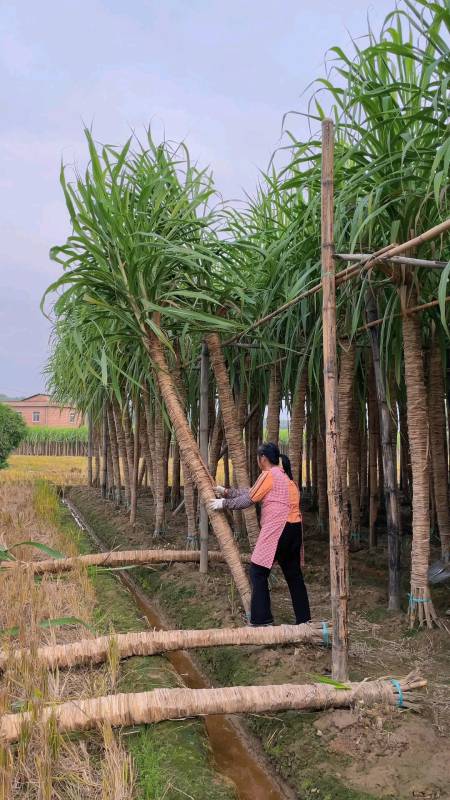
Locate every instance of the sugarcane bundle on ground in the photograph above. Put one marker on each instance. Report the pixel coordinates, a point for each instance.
(115, 558)
(147, 643)
(162, 704)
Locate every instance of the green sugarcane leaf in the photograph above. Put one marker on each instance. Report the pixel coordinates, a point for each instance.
(442, 293)
(50, 623)
(49, 551)
(5, 555)
(328, 681)
(57, 622)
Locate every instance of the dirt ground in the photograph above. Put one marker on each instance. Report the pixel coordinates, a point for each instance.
(348, 755)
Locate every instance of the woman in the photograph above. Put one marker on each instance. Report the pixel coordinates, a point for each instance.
(280, 537)
(294, 496)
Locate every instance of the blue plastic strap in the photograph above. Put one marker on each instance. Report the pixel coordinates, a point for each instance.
(417, 600)
(325, 634)
(396, 685)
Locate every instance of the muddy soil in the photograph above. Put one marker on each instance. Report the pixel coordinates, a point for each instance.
(342, 755)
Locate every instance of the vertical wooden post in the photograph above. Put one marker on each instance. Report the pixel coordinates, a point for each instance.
(204, 441)
(136, 455)
(89, 449)
(337, 516)
(104, 467)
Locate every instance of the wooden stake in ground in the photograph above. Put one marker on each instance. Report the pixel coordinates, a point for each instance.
(160, 704)
(204, 441)
(337, 517)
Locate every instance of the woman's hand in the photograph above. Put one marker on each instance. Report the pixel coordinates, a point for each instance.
(220, 491)
(215, 505)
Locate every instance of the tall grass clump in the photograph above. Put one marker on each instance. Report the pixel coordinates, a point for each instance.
(45, 502)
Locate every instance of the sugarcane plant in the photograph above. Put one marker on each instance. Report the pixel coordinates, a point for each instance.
(157, 268)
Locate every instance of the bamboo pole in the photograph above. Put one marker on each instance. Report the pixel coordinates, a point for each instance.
(406, 261)
(384, 254)
(115, 558)
(204, 442)
(406, 312)
(337, 518)
(161, 704)
(149, 643)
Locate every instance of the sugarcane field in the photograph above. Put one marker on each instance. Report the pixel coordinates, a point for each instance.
(225, 401)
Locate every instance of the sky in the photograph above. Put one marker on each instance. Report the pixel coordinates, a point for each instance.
(218, 74)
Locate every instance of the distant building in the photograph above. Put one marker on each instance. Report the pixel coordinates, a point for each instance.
(38, 410)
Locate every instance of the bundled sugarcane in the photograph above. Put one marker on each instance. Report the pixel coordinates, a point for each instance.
(115, 558)
(161, 704)
(147, 643)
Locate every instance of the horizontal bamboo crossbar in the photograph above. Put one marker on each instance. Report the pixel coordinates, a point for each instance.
(162, 704)
(384, 254)
(406, 261)
(407, 311)
(148, 643)
(115, 558)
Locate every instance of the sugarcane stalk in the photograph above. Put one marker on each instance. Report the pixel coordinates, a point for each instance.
(139, 708)
(115, 558)
(148, 643)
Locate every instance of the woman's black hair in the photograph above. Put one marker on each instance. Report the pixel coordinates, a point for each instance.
(286, 463)
(270, 451)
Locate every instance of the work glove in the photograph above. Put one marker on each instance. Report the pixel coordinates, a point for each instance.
(215, 505)
(220, 491)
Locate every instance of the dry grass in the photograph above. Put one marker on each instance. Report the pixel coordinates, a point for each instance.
(46, 766)
(61, 470)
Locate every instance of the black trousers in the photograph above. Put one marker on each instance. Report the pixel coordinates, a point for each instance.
(288, 557)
